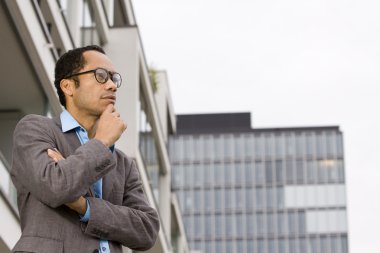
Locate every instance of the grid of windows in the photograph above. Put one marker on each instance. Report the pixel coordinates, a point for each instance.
(261, 192)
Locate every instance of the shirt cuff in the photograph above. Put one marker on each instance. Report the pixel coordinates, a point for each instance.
(86, 216)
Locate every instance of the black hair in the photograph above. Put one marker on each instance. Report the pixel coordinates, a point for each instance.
(70, 63)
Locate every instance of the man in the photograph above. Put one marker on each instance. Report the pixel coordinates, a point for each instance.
(76, 192)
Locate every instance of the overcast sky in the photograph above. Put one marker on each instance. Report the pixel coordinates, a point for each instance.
(289, 63)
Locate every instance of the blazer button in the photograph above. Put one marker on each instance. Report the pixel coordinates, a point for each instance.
(95, 251)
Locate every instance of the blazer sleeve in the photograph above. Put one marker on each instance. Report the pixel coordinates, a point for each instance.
(135, 224)
(55, 183)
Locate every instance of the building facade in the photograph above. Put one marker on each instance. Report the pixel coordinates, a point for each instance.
(34, 33)
(271, 190)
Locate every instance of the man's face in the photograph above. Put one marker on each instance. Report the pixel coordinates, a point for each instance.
(92, 97)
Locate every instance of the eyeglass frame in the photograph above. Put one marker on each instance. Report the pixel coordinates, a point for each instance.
(109, 75)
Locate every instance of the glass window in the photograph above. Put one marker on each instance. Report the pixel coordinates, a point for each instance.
(269, 151)
(248, 173)
(270, 224)
(259, 198)
(240, 246)
(249, 146)
(228, 198)
(309, 144)
(313, 245)
(250, 225)
(189, 148)
(198, 200)
(344, 245)
(251, 246)
(301, 223)
(209, 148)
(340, 168)
(198, 174)
(188, 201)
(259, 152)
(330, 145)
(260, 224)
(281, 223)
(207, 174)
(219, 246)
(271, 246)
(279, 172)
(219, 225)
(218, 199)
(279, 145)
(339, 141)
(259, 173)
(218, 174)
(230, 246)
(293, 246)
(299, 145)
(189, 175)
(280, 197)
(218, 147)
(270, 198)
(228, 147)
(239, 225)
(261, 245)
(239, 169)
(230, 225)
(208, 193)
(239, 199)
(269, 176)
(209, 226)
(289, 171)
(249, 199)
(282, 246)
(198, 143)
(290, 145)
(208, 246)
(188, 222)
(312, 171)
(228, 173)
(320, 146)
(239, 147)
(300, 171)
(292, 223)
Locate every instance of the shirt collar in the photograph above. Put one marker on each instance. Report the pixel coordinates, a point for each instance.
(68, 122)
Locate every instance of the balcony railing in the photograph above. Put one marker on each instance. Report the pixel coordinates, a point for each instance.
(7, 189)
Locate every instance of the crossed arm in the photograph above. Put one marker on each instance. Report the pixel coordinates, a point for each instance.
(55, 181)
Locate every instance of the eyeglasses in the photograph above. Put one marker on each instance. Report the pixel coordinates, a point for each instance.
(102, 76)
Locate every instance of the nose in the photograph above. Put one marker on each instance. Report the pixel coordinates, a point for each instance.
(110, 85)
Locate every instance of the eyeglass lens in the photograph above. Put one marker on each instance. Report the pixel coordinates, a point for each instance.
(102, 77)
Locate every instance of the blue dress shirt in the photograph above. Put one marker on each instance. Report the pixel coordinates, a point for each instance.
(69, 123)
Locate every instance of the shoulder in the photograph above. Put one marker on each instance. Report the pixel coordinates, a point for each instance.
(34, 123)
(34, 118)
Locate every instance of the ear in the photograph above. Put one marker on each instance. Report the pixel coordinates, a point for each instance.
(67, 86)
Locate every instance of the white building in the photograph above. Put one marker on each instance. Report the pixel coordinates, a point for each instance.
(34, 33)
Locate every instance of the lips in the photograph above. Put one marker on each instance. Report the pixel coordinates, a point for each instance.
(111, 97)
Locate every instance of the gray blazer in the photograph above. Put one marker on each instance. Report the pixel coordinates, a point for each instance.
(123, 216)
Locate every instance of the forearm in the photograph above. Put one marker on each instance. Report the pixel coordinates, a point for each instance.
(57, 183)
(134, 228)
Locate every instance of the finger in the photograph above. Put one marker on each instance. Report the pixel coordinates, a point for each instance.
(59, 155)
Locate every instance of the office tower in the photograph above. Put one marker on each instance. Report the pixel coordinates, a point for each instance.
(267, 190)
(33, 36)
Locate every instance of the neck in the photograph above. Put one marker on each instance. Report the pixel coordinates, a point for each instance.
(86, 120)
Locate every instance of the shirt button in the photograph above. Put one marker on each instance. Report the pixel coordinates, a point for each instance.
(104, 248)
